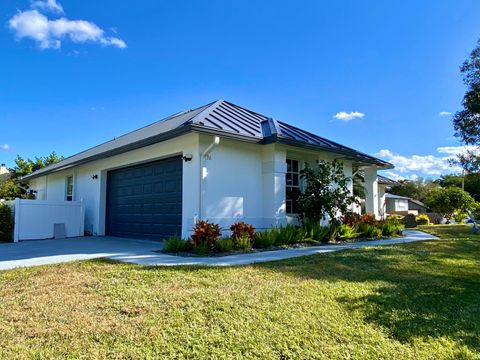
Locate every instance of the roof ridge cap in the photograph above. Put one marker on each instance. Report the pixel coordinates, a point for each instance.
(196, 119)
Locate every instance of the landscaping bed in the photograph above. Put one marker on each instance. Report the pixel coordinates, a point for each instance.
(207, 238)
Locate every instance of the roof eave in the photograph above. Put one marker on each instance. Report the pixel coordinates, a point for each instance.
(133, 146)
(201, 129)
(382, 165)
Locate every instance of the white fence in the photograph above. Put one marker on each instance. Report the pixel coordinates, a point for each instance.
(35, 219)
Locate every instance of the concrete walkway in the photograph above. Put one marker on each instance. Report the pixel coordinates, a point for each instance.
(43, 252)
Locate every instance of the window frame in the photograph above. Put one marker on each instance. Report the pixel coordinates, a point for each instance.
(69, 188)
(295, 183)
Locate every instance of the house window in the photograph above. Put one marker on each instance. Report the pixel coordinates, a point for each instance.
(292, 182)
(69, 188)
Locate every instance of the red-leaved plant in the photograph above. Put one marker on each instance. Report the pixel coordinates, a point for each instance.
(206, 234)
(350, 219)
(240, 228)
(368, 219)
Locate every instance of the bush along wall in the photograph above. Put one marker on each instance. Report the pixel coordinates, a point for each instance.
(6, 223)
(206, 238)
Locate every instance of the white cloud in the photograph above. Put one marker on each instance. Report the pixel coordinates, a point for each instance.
(344, 116)
(425, 165)
(49, 34)
(5, 147)
(444, 113)
(394, 176)
(456, 150)
(47, 5)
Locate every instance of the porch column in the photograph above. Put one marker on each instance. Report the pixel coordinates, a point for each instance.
(371, 185)
(381, 201)
(274, 168)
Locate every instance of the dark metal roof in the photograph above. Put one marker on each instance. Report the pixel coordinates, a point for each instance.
(380, 179)
(386, 181)
(222, 118)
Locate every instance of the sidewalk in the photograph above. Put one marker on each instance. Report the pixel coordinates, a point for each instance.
(145, 252)
(159, 259)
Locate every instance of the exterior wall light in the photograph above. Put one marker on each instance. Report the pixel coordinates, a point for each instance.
(187, 157)
(94, 176)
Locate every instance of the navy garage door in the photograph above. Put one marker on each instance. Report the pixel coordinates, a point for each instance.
(145, 200)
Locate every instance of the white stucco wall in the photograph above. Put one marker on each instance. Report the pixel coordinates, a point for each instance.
(93, 191)
(236, 181)
(232, 183)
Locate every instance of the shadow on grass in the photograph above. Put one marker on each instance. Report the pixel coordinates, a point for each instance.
(424, 289)
(427, 289)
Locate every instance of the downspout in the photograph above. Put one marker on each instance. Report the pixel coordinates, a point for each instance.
(204, 156)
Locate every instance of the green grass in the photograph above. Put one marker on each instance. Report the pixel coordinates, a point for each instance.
(414, 301)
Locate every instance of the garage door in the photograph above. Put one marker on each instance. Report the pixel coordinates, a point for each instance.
(145, 200)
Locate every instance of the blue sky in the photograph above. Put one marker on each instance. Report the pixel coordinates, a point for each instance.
(387, 69)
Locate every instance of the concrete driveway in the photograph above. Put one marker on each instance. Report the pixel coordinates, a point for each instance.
(145, 252)
(43, 252)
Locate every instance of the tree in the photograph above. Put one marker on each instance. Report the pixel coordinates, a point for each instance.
(11, 187)
(415, 189)
(447, 201)
(326, 192)
(24, 167)
(471, 183)
(466, 122)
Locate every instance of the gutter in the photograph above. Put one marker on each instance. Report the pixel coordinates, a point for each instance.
(132, 146)
(353, 155)
(204, 156)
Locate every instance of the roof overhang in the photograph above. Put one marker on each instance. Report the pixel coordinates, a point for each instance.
(133, 146)
(358, 158)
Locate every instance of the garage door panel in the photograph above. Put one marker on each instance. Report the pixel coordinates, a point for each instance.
(145, 200)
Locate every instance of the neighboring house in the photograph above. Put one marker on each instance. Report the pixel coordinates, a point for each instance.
(396, 204)
(219, 162)
(384, 184)
(4, 173)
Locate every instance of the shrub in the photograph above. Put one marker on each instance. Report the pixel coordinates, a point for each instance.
(394, 219)
(202, 249)
(242, 242)
(369, 231)
(312, 230)
(449, 200)
(368, 219)
(331, 234)
(318, 198)
(265, 239)
(225, 245)
(347, 232)
(6, 223)
(286, 235)
(391, 229)
(205, 234)
(459, 217)
(410, 221)
(351, 219)
(240, 228)
(422, 219)
(175, 244)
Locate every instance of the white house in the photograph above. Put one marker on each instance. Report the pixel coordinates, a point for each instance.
(384, 184)
(219, 162)
(396, 204)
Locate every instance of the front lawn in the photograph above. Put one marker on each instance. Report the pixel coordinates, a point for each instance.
(418, 300)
